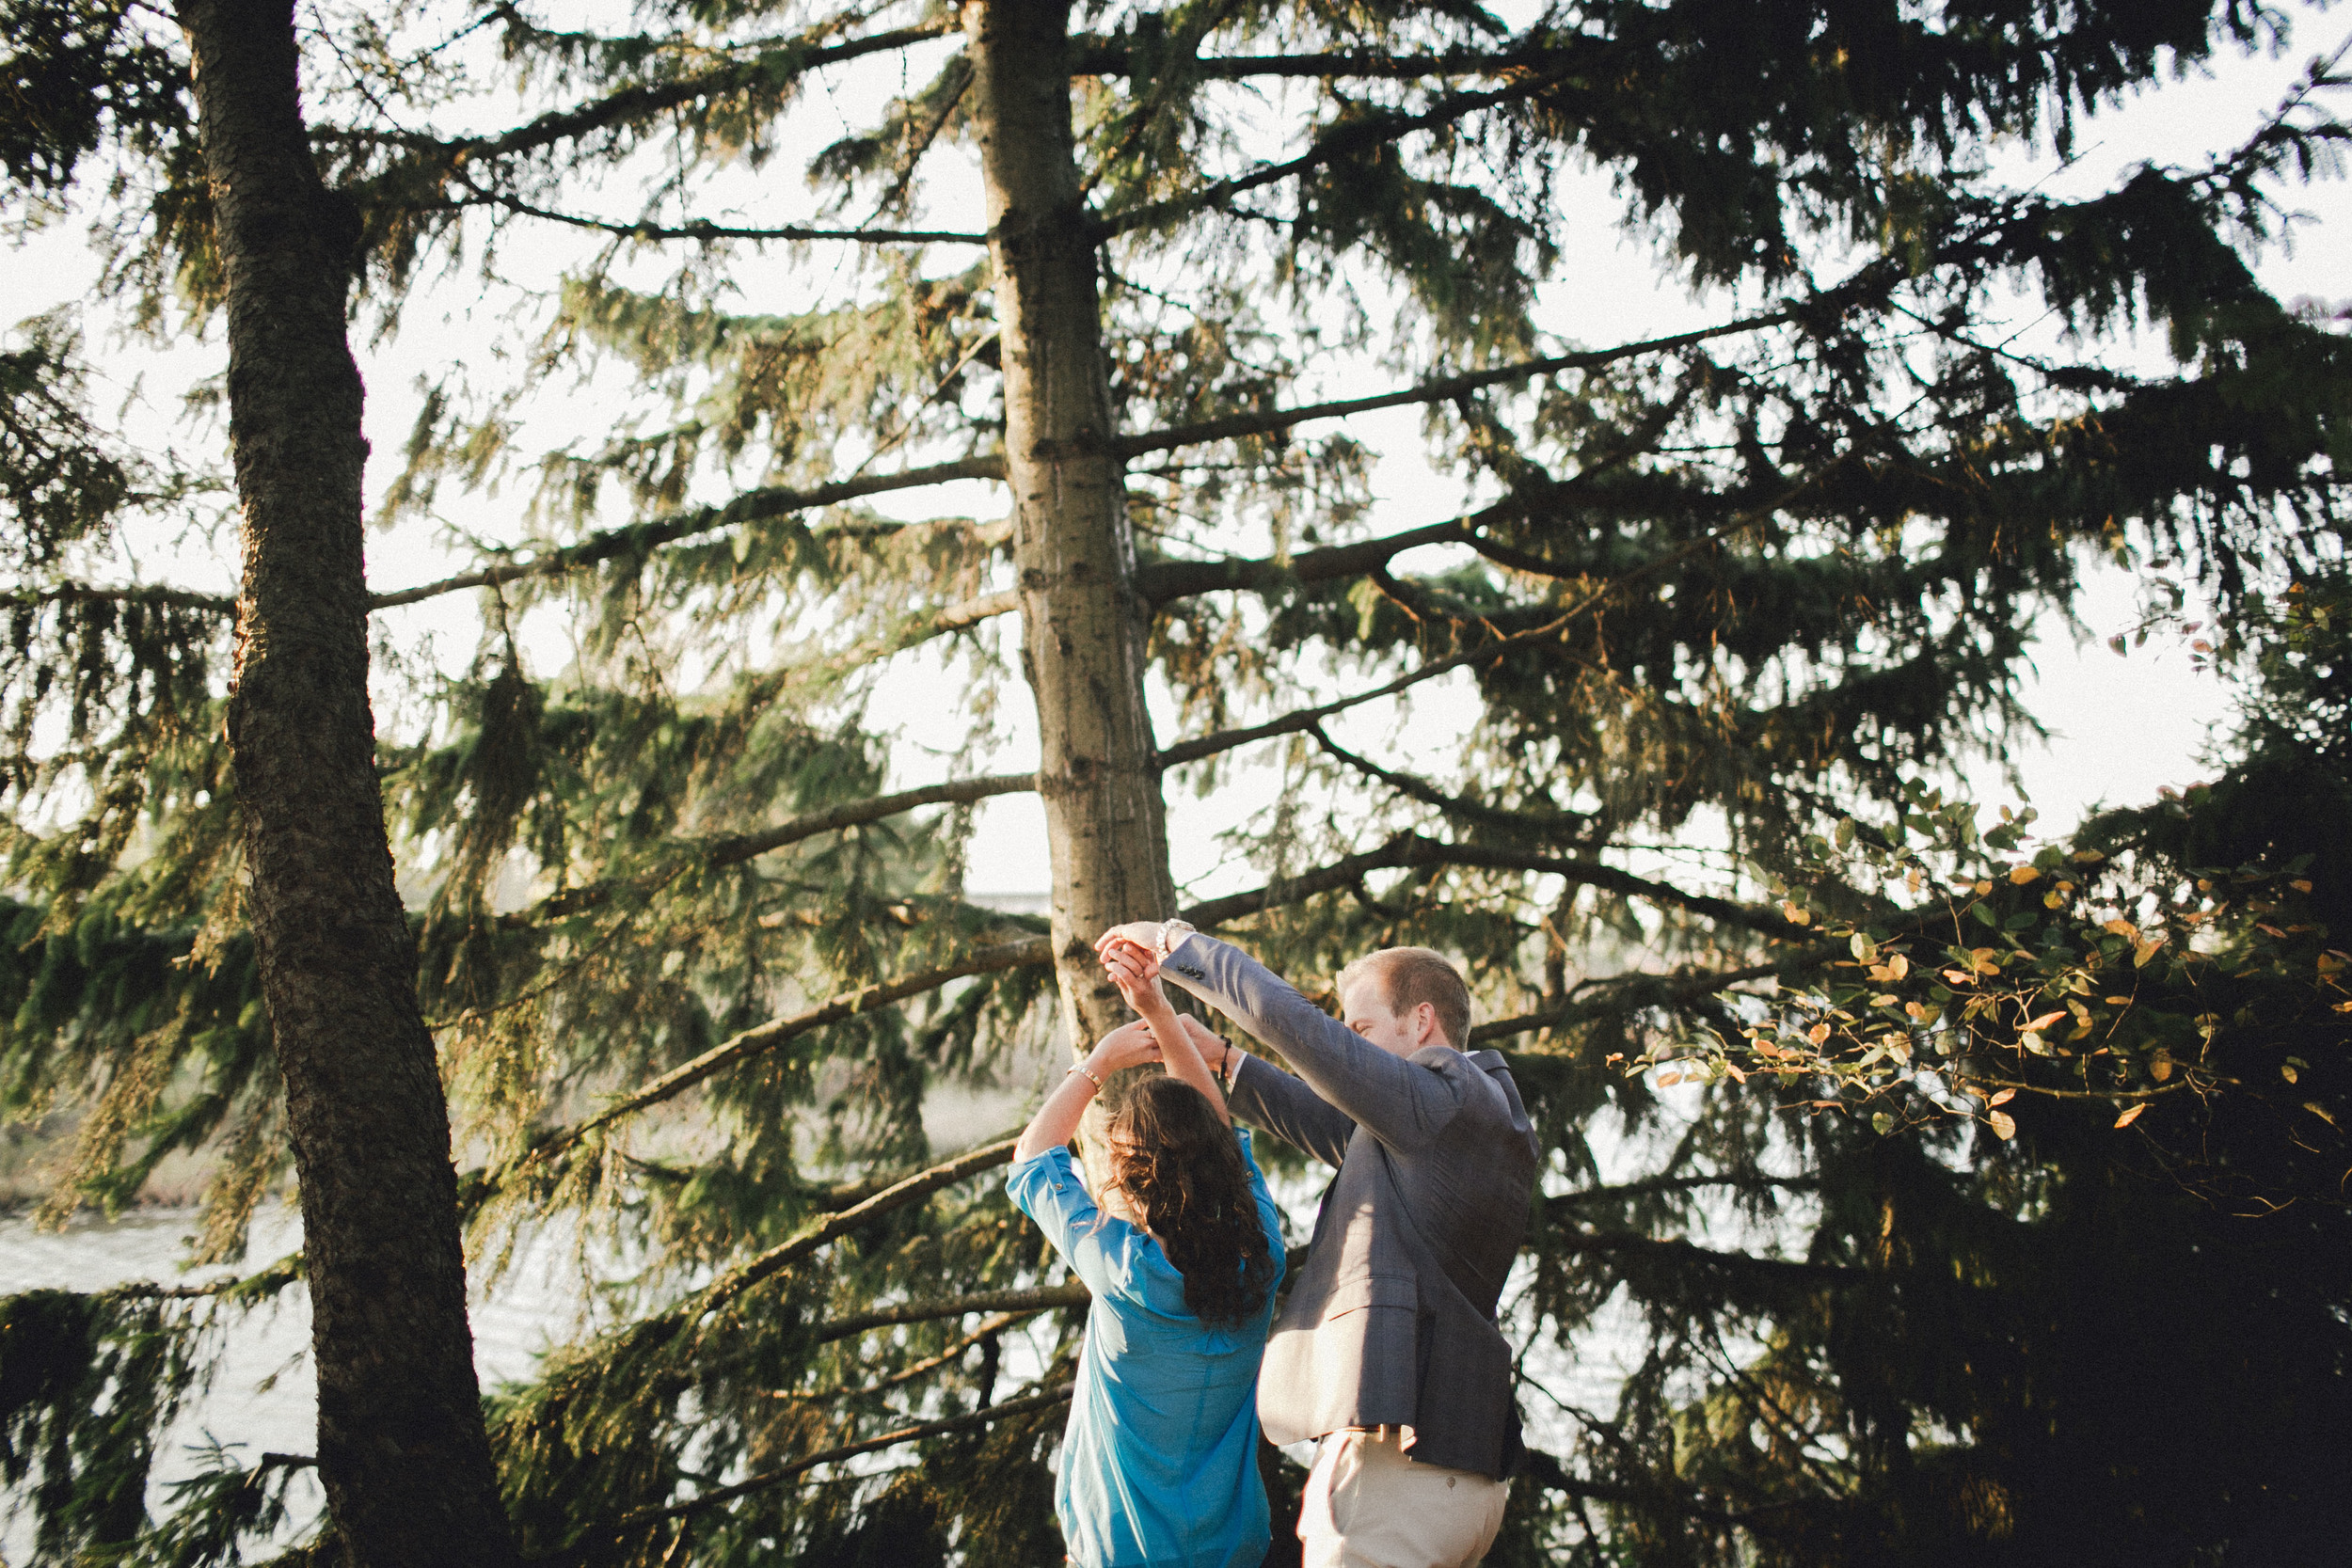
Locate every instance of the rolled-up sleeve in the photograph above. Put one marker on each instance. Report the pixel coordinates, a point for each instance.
(1100, 1250)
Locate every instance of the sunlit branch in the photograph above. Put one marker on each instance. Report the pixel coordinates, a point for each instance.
(753, 506)
(1445, 387)
(1690, 1255)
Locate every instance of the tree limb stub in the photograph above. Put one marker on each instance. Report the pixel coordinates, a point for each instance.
(1632, 992)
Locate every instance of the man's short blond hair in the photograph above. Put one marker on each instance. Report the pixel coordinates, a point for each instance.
(1409, 976)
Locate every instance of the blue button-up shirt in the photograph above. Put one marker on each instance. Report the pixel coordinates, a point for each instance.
(1159, 1466)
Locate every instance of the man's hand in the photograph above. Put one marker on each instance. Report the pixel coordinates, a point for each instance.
(1142, 935)
(1129, 1045)
(1211, 1044)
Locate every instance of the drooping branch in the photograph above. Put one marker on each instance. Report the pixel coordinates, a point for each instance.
(766, 1036)
(769, 69)
(133, 592)
(753, 506)
(1417, 789)
(744, 846)
(1232, 426)
(1355, 135)
(1300, 719)
(1101, 57)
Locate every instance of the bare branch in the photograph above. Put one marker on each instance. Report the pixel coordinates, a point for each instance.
(1628, 993)
(704, 232)
(1439, 390)
(744, 846)
(1412, 849)
(753, 506)
(1100, 56)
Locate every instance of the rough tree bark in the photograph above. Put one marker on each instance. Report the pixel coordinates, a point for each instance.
(1083, 622)
(401, 1446)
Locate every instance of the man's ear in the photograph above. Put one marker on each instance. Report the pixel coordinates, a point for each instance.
(1425, 1031)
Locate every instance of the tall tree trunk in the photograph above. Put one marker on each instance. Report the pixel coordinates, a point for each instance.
(401, 1446)
(1083, 625)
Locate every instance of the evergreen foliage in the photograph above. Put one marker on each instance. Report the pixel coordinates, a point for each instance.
(1756, 591)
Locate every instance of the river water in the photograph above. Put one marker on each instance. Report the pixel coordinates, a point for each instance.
(263, 1393)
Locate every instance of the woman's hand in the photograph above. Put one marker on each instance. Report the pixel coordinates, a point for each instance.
(1129, 1045)
(1138, 979)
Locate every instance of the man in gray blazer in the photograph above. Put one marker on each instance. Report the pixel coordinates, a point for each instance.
(1388, 1352)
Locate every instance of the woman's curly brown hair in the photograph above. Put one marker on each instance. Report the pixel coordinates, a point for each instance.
(1181, 1169)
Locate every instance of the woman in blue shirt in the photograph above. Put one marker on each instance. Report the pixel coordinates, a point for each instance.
(1159, 1466)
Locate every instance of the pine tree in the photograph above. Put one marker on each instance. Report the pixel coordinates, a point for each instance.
(1735, 586)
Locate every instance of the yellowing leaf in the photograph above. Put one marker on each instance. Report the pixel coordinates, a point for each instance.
(2046, 1019)
(2286, 1071)
(1668, 1080)
(2301, 885)
(2003, 1097)
(2021, 875)
(1794, 915)
(2121, 928)
(1959, 978)
(2130, 1115)
(2004, 1125)
(2145, 951)
(1818, 1033)
(1983, 888)
(2160, 1065)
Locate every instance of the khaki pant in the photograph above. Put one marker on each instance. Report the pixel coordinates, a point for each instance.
(1368, 1506)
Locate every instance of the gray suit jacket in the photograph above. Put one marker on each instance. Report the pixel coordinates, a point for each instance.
(1391, 1320)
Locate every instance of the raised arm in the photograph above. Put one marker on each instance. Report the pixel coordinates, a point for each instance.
(1400, 1103)
(1178, 1051)
(1057, 1120)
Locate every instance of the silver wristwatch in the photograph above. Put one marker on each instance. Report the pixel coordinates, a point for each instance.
(1172, 932)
